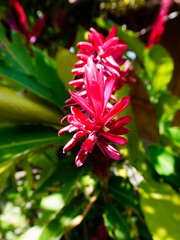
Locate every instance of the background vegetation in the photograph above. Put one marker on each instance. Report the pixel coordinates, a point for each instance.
(43, 194)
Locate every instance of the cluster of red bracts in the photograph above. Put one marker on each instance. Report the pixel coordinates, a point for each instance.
(17, 20)
(97, 75)
(158, 26)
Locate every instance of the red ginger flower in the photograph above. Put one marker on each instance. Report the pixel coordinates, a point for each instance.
(97, 123)
(17, 20)
(107, 52)
(158, 27)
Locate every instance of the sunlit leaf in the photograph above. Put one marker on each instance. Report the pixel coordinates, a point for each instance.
(65, 61)
(28, 83)
(166, 108)
(165, 163)
(159, 66)
(80, 36)
(68, 218)
(5, 171)
(32, 233)
(174, 134)
(63, 182)
(160, 205)
(18, 107)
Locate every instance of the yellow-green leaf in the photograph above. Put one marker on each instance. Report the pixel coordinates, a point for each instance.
(18, 107)
(160, 204)
(65, 63)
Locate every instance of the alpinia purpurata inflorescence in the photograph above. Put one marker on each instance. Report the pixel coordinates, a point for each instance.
(17, 20)
(106, 52)
(158, 26)
(92, 115)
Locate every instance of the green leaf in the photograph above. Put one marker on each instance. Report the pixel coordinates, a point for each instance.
(162, 160)
(122, 191)
(6, 57)
(17, 51)
(59, 191)
(122, 197)
(68, 218)
(42, 159)
(174, 134)
(65, 63)
(165, 164)
(115, 223)
(15, 140)
(159, 66)
(33, 73)
(66, 177)
(166, 108)
(134, 149)
(32, 233)
(160, 205)
(142, 75)
(45, 73)
(29, 83)
(80, 36)
(5, 170)
(18, 107)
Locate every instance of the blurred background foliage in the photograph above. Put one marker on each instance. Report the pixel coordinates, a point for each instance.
(43, 194)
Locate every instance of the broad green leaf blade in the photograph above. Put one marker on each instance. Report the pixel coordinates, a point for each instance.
(159, 66)
(166, 109)
(160, 205)
(174, 134)
(115, 223)
(20, 139)
(17, 51)
(7, 82)
(32, 233)
(18, 107)
(6, 57)
(67, 177)
(32, 72)
(163, 161)
(81, 35)
(5, 170)
(66, 183)
(165, 164)
(65, 63)
(46, 160)
(29, 83)
(45, 73)
(68, 218)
